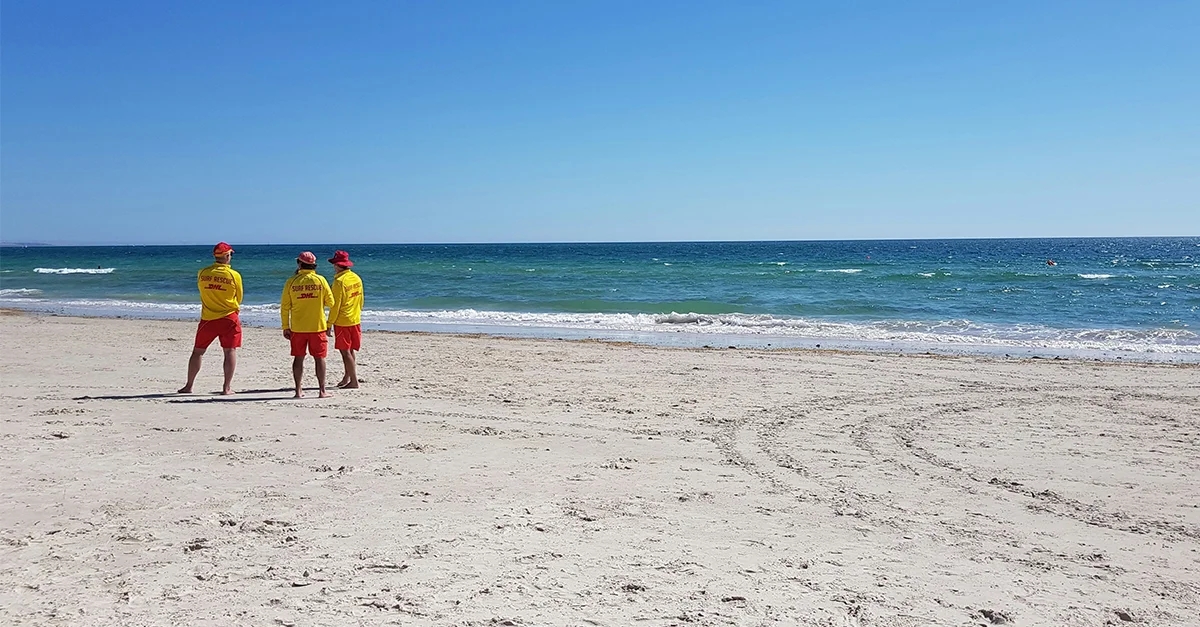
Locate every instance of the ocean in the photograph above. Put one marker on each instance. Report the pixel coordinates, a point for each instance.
(1130, 298)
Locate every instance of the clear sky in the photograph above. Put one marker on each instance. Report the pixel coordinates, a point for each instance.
(497, 121)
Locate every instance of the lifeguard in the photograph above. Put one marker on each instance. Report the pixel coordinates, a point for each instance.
(302, 310)
(220, 300)
(345, 317)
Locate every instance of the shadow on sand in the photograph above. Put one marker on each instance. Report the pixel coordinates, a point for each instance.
(182, 398)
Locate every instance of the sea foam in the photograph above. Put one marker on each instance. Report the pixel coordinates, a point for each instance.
(74, 270)
(959, 335)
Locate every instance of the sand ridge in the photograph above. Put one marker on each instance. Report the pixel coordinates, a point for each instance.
(488, 481)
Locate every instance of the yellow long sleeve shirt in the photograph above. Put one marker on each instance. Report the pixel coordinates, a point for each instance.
(302, 305)
(347, 300)
(220, 291)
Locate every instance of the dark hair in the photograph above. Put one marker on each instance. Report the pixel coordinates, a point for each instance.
(308, 266)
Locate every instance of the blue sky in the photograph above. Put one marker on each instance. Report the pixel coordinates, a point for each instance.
(189, 122)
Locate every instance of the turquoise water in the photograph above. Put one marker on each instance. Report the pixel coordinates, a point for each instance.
(1129, 294)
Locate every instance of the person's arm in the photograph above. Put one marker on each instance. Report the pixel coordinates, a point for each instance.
(339, 295)
(285, 309)
(237, 284)
(327, 301)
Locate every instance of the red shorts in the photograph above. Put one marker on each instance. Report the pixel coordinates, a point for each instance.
(229, 329)
(347, 338)
(315, 343)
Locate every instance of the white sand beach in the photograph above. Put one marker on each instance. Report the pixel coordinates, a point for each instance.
(488, 481)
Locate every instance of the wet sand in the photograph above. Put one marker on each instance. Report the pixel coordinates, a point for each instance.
(489, 481)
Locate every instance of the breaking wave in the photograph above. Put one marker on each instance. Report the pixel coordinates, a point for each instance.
(963, 333)
(74, 270)
(1180, 342)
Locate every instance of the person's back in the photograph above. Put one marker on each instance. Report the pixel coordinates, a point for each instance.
(347, 298)
(220, 291)
(302, 305)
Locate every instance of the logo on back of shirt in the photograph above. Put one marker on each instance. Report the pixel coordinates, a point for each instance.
(215, 282)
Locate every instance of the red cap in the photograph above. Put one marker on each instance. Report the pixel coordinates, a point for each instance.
(307, 257)
(222, 248)
(341, 258)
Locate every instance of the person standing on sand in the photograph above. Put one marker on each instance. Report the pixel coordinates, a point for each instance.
(220, 300)
(306, 294)
(345, 316)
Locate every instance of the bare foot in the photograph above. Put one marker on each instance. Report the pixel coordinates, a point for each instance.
(298, 394)
(350, 386)
(227, 392)
(342, 383)
(187, 389)
(324, 394)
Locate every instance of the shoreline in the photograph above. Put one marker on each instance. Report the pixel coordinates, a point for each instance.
(675, 337)
(783, 350)
(479, 480)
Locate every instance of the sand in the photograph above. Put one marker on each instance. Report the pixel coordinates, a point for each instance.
(489, 481)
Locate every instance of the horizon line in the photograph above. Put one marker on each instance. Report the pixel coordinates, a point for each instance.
(593, 242)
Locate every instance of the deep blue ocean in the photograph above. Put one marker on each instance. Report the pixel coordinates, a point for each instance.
(1102, 296)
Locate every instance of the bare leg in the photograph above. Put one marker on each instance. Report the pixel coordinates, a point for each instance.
(345, 368)
(193, 370)
(298, 374)
(350, 362)
(352, 371)
(230, 365)
(321, 376)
